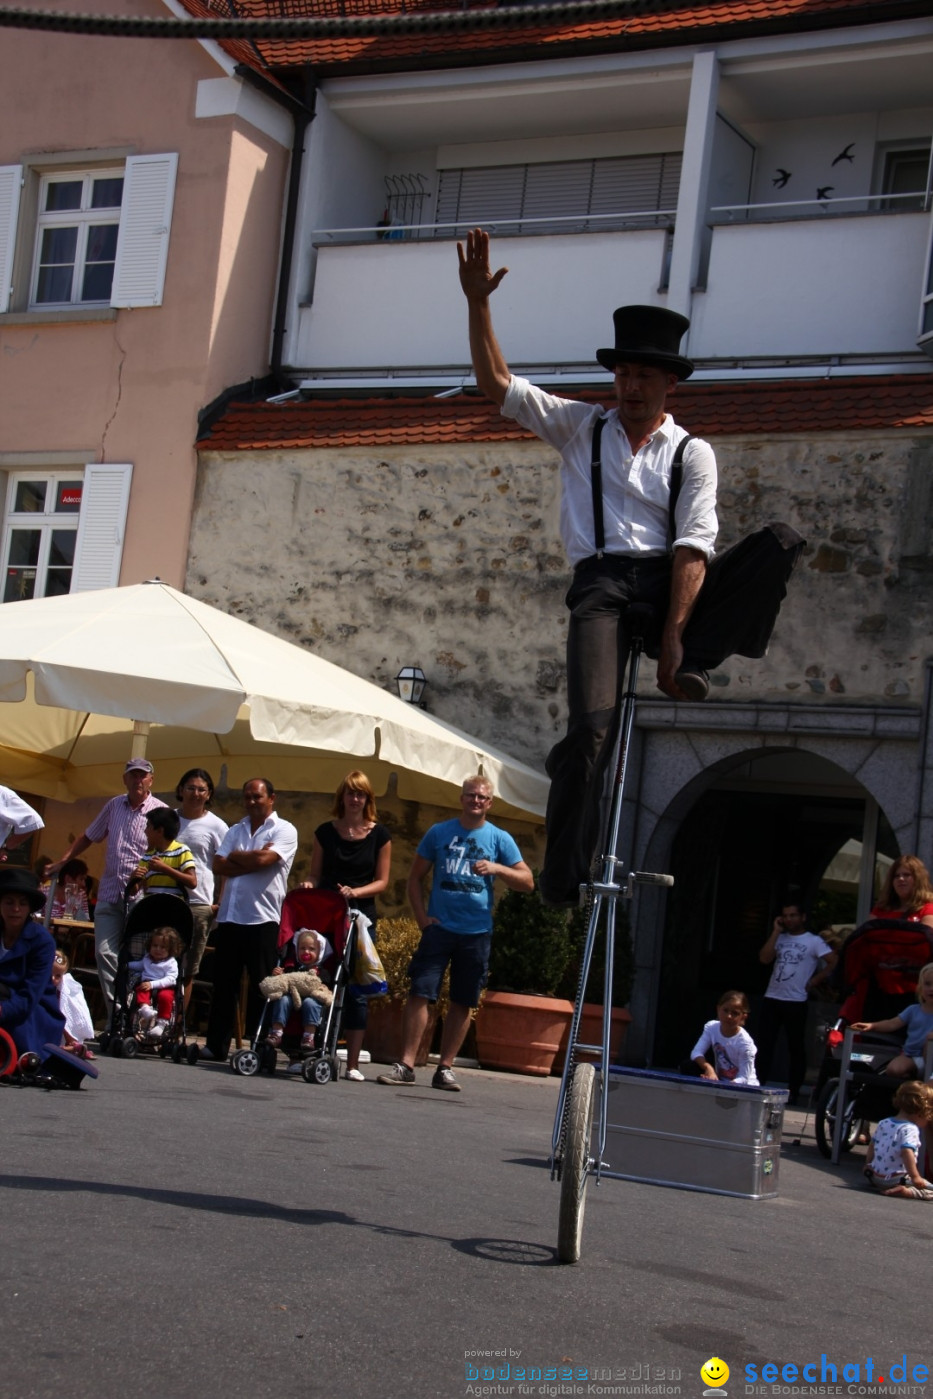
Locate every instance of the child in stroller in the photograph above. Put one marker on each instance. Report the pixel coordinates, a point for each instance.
(305, 992)
(165, 921)
(917, 1020)
(155, 973)
(878, 969)
(327, 912)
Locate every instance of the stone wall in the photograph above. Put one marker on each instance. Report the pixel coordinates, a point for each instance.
(450, 557)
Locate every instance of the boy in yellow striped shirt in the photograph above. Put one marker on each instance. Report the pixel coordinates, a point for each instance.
(168, 866)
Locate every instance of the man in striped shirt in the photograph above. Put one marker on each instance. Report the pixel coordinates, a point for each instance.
(122, 823)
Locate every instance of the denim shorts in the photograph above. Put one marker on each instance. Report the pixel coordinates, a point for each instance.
(468, 957)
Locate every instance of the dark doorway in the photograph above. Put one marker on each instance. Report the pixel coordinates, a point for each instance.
(735, 857)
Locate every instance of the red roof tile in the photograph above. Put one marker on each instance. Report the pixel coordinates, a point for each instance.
(432, 31)
(802, 407)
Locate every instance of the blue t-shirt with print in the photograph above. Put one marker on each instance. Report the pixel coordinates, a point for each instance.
(461, 900)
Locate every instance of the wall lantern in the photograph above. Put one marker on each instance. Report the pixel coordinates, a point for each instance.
(411, 682)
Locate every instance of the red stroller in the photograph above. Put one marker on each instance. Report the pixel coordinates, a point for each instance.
(327, 912)
(877, 974)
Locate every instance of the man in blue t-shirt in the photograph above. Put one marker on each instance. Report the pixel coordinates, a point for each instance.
(466, 854)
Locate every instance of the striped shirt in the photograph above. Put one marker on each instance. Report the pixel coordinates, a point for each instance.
(124, 830)
(177, 857)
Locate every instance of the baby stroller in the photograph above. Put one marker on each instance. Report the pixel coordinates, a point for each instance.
(327, 912)
(877, 976)
(124, 1036)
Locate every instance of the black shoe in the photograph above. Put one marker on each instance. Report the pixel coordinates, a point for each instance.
(693, 682)
(445, 1079)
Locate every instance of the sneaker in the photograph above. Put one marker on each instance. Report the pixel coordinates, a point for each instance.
(401, 1075)
(158, 1030)
(693, 682)
(294, 1068)
(307, 1039)
(205, 1054)
(146, 1013)
(274, 1037)
(444, 1078)
(354, 1076)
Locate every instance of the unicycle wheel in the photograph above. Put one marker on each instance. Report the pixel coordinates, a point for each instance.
(575, 1163)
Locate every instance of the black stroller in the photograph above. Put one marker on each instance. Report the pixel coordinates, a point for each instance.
(327, 912)
(877, 975)
(125, 1036)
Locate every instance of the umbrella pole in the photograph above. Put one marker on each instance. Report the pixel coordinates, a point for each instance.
(140, 739)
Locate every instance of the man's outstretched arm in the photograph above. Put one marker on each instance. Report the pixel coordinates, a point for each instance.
(478, 283)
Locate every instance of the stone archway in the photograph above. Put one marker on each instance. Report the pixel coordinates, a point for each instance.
(847, 773)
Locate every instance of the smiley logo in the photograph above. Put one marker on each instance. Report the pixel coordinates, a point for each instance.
(715, 1372)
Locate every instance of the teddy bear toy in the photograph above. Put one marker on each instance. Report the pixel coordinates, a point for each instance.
(297, 985)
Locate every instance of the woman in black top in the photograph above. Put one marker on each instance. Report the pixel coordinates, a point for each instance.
(353, 853)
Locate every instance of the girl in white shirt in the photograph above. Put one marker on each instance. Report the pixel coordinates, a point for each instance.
(729, 1045)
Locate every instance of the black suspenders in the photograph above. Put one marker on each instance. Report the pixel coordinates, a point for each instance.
(596, 479)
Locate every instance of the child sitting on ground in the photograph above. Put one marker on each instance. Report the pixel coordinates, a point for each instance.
(78, 1023)
(893, 1154)
(919, 1022)
(731, 1046)
(156, 972)
(300, 960)
(168, 866)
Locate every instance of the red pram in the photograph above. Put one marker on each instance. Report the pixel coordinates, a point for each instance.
(327, 912)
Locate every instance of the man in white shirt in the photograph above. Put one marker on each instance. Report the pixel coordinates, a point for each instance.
(801, 961)
(18, 821)
(254, 858)
(631, 536)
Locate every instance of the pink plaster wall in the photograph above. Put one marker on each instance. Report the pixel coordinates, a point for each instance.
(129, 389)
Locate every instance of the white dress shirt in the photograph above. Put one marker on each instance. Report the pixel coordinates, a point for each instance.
(256, 897)
(636, 486)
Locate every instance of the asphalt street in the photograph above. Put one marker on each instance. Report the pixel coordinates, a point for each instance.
(182, 1231)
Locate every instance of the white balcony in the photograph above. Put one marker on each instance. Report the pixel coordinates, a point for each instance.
(826, 287)
(812, 287)
(398, 306)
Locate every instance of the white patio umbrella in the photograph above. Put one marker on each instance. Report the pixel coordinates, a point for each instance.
(90, 677)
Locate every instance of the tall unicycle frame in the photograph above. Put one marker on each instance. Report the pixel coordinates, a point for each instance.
(583, 1098)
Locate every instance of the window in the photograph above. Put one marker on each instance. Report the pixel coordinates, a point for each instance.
(41, 530)
(83, 237)
(618, 187)
(63, 530)
(76, 243)
(905, 173)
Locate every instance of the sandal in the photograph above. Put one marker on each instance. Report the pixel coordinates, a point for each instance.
(274, 1037)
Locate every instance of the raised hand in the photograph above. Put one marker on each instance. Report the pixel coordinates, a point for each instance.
(477, 281)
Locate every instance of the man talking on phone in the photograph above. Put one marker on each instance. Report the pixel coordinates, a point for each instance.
(801, 961)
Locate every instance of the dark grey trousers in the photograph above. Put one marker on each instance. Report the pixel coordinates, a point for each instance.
(734, 615)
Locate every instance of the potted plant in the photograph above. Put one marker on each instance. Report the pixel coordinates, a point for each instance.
(396, 940)
(521, 1019)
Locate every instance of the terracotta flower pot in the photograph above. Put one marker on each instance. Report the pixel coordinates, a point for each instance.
(521, 1033)
(591, 1031)
(383, 1036)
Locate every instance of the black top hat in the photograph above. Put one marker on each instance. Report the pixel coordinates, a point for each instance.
(648, 335)
(18, 881)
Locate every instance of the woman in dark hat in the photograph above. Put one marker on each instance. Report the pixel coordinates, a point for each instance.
(29, 1009)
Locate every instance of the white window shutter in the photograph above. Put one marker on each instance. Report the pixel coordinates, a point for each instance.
(11, 180)
(145, 222)
(101, 527)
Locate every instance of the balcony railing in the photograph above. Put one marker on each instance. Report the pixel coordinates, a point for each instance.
(913, 202)
(503, 228)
